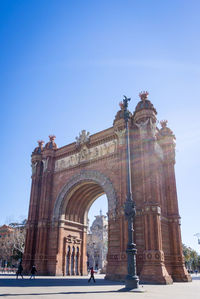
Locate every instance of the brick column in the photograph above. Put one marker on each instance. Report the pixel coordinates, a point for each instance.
(79, 262)
(83, 256)
(166, 139)
(153, 269)
(44, 210)
(116, 268)
(69, 265)
(32, 223)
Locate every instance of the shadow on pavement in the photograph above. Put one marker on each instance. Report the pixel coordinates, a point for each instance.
(59, 293)
(45, 282)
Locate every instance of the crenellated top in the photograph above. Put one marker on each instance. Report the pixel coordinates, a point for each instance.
(39, 148)
(165, 131)
(51, 144)
(143, 124)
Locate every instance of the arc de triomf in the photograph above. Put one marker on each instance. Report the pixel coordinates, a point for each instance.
(67, 180)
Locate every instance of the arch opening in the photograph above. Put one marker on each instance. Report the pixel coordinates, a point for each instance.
(97, 235)
(85, 245)
(71, 210)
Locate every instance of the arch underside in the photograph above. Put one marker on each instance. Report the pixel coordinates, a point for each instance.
(80, 192)
(81, 200)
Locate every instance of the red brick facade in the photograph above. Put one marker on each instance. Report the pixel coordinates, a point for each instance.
(67, 180)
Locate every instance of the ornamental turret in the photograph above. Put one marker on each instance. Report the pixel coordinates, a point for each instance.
(36, 157)
(144, 118)
(119, 124)
(144, 109)
(166, 139)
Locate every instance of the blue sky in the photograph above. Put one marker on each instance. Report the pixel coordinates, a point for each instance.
(64, 67)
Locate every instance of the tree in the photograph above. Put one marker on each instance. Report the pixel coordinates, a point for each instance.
(12, 243)
(17, 239)
(18, 243)
(6, 251)
(192, 259)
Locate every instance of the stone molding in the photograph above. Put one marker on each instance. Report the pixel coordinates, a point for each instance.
(151, 209)
(153, 255)
(73, 240)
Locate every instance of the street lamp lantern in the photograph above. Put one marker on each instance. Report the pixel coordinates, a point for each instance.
(132, 280)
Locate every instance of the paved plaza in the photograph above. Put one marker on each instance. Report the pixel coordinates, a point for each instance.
(57, 287)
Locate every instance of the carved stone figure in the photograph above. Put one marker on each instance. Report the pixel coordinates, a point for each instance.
(105, 149)
(96, 152)
(76, 158)
(143, 128)
(112, 147)
(83, 138)
(121, 136)
(71, 161)
(45, 164)
(153, 128)
(34, 165)
(83, 155)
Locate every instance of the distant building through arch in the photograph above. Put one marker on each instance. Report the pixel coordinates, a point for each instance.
(97, 243)
(67, 180)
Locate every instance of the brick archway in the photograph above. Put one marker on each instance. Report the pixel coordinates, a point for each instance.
(66, 180)
(70, 212)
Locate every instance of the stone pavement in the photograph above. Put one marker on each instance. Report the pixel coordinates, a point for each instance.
(78, 288)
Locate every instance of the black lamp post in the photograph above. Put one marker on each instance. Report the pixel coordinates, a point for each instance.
(132, 280)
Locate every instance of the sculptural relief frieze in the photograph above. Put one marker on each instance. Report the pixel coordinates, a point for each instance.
(86, 154)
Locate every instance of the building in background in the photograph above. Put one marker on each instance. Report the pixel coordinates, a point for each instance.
(5, 248)
(97, 243)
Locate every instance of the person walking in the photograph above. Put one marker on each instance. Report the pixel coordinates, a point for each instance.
(91, 275)
(19, 271)
(33, 272)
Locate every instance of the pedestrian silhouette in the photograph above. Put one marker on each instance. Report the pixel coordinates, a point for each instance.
(33, 272)
(91, 275)
(19, 271)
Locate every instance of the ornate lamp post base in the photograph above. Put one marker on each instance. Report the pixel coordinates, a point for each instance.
(136, 290)
(132, 282)
(132, 285)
